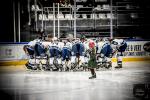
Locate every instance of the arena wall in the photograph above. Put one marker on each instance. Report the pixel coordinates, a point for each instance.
(13, 54)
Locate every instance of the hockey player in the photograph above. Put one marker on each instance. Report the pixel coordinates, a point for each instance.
(55, 53)
(54, 48)
(119, 46)
(30, 51)
(77, 53)
(66, 50)
(29, 48)
(84, 59)
(66, 55)
(104, 52)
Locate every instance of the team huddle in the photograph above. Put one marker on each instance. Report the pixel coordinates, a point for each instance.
(73, 54)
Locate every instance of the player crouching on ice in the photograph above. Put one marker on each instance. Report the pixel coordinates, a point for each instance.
(30, 51)
(36, 48)
(119, 46)
(104, 53)
(55, 54)
(66, 55)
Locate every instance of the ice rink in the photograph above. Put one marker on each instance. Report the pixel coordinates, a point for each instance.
(113, 84)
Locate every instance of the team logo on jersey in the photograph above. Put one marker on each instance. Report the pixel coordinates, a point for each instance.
(146, 47)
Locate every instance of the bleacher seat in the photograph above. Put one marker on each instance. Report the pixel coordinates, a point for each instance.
(60, 16)
(102, 16)
(50, 16)
(109, 16)
(106, 7)
(79, 6)
(68, 16)
(84, 16)
(98, 8)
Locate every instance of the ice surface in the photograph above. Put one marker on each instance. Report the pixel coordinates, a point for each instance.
(115, 84)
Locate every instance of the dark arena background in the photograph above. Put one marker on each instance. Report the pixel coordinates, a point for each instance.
(52, 78)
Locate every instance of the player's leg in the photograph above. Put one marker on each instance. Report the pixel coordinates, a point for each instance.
(109, 56)
(31, 62)
(120, 55)
(119, 60)
(109, 63)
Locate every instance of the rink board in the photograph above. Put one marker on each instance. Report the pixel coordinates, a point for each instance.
(125, 59)
(13, 54)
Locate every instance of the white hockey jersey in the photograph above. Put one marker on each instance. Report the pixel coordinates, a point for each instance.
(118, 42)
(32, 43)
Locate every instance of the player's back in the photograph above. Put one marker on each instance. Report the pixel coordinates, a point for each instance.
(119, 42)
(33, 42)
(100, 46)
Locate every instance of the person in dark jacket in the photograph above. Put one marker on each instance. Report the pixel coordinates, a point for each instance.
(92, 62)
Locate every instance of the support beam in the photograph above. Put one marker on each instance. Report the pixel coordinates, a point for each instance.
(58, 23)
(29, 23)
(42, 21)
(54, 20)
(75, 33)
(111, 20)
(14, 19)
(18, 21)
(35, 13)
